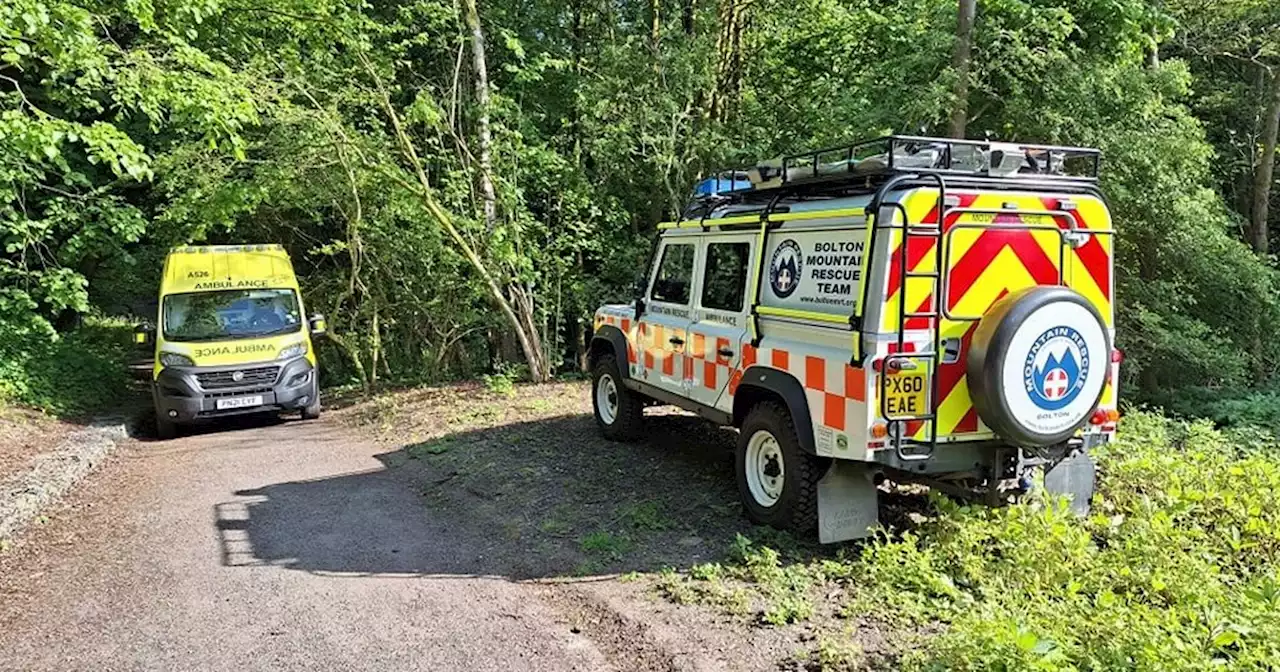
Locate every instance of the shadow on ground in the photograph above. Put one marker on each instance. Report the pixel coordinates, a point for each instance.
(534, 499)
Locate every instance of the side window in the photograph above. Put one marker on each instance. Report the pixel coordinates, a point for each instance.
(675, 274)
(724, 283)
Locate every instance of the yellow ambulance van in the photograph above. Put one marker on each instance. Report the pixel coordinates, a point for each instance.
(231, 337)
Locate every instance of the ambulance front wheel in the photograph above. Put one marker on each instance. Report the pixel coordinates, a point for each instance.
(312, 410)
(778, 482)
(166, 429)
(619, 412)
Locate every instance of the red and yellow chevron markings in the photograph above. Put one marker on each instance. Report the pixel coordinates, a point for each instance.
(985, 263)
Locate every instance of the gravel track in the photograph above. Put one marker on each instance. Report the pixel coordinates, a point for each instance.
(327, 545)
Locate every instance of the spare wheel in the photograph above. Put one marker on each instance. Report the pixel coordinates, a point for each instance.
(1037, 365)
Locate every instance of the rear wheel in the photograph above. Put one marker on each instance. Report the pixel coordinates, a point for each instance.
(777, 480)
(619, 411)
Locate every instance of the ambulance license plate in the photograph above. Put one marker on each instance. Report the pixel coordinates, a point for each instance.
(238, 402)
(907, 393)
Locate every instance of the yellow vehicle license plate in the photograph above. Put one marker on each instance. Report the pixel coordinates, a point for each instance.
(907, 393)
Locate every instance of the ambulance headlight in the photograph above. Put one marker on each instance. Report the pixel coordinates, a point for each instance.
(175, 359)
(295, 350)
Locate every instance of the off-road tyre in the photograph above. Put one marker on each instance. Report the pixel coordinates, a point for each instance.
(312, 410)
(166, 429)
(796, 508)
(627, 424)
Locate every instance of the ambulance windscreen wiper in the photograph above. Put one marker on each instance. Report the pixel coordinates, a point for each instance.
(287, 329)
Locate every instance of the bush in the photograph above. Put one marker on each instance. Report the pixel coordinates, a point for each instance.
(1234, 407)
(72, 374)
(1178, 567)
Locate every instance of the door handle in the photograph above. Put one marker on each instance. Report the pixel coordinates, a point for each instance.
(675, 340)
(725, 352)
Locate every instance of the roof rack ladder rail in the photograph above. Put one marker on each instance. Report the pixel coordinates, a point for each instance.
(761, 242)
(939, 283)
(887, 364)
(935, 232)
(898, 437)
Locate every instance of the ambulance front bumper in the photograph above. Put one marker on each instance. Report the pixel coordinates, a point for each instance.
(187, 393)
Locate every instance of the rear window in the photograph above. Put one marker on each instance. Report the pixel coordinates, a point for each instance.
(724, 282)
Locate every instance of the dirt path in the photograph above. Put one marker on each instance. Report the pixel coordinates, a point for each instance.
(313, 546)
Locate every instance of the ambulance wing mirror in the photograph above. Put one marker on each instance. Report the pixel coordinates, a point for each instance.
(144, 335)
(319, 327)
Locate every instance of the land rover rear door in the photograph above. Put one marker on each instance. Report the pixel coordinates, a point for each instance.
(719, 329)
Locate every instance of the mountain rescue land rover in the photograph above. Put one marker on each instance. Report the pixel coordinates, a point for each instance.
(232, 337)
(912, 309)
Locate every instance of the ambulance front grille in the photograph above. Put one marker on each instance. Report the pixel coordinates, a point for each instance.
(213, 380)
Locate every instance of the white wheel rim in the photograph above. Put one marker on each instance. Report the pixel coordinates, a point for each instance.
(607, 399)
(765, 468)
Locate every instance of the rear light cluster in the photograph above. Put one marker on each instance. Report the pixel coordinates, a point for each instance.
(1105, 416)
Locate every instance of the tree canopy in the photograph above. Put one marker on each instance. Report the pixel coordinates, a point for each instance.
(460, 183)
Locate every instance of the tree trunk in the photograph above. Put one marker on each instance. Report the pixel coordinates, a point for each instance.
(575, 105)
(1153, 59)
(354, 355)
(537, 370)
(728, 60)
(480, 65)
(375, 347)
(655, 21)
(1264, 174)
(961, 62)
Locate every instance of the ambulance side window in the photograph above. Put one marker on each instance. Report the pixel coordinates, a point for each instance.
(725, 279)
(675, 274)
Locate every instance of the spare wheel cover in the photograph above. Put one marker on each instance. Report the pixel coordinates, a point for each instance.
(1038, 364)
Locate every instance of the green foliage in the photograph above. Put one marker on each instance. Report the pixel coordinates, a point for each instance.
(1176, 568)
(73, 374)
(81, 117)
(129, 127)
(836, 655)
(606, 545)
(645, 516)
(502, 382)
(1032, 587)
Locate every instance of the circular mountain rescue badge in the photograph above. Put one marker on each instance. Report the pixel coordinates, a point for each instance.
(1051, 375)
(785, 268)
(1055, 368)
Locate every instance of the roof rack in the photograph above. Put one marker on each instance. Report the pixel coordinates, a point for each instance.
(872, 161)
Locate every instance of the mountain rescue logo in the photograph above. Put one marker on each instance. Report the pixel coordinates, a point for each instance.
(785, 268)
(1056, 368)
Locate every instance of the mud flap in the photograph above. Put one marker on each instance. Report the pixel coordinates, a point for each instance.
(1074, 476)
(848, 505)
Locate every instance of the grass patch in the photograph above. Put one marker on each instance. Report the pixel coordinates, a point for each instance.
(835, 654)
(438, 446)
(1177, 568)
(605, 545)
(645, 516)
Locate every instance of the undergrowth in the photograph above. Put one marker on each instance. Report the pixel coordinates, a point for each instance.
(1177, 568)
(71, 374)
